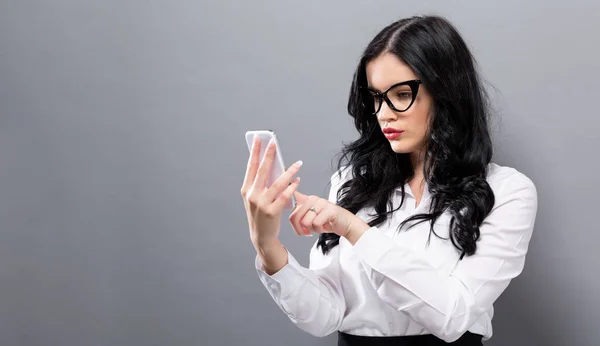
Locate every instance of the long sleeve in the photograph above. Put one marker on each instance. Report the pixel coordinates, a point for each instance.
(447, 305)
(312, 298)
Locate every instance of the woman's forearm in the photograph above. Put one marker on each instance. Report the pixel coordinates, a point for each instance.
(272, 255)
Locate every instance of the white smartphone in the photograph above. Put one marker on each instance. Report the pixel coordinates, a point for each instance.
(278, 167)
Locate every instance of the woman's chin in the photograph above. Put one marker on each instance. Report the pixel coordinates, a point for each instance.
(400, 148)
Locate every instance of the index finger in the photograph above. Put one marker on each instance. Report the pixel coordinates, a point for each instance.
(283, 181)
(252, 166)
(300, 197)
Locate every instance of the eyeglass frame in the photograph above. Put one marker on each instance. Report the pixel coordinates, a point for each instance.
(414, 87)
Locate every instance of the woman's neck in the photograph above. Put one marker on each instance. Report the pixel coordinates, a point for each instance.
(417, 160)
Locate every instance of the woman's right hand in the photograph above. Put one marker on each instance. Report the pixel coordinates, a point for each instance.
(262, 205)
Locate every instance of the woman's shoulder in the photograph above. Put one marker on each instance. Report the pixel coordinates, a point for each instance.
(342, 174)
(505, 180)
(337, 179)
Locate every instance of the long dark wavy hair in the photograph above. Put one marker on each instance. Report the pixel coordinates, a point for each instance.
(458, 149)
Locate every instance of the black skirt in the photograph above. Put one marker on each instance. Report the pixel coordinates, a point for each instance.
(468, 339)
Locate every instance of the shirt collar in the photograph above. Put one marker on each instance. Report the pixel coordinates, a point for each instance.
(410, 193)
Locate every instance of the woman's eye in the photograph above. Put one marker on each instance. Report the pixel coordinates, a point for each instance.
(405, 95)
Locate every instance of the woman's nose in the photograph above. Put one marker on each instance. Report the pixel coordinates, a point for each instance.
(386, 114)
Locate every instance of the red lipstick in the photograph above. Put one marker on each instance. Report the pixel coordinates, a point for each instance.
(392, 133)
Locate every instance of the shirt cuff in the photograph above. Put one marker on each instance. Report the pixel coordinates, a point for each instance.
(285, 281)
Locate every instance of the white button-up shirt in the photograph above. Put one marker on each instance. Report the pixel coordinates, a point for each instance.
(392, 283)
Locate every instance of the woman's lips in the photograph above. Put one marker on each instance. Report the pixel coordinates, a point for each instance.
(391, 133)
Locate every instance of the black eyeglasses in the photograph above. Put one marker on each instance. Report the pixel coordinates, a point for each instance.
(398, 97)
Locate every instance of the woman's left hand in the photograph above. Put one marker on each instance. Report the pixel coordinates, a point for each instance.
(316, 214)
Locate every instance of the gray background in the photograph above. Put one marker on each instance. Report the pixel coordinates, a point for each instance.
(122, 155)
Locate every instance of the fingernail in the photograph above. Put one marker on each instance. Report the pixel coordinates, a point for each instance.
(297, 179)
(271, 141)
(298, 163)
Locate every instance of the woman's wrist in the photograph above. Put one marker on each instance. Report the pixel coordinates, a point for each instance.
(355, 232)
(272, 254)
(266, 244)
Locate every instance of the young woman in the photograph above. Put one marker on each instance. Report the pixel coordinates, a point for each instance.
(421, 232)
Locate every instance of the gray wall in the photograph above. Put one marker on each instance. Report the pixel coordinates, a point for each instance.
(122, 155)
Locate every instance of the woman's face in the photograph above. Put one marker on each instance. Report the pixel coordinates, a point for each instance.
(385, 71)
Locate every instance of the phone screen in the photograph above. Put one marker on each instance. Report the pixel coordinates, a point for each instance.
(278, 167)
